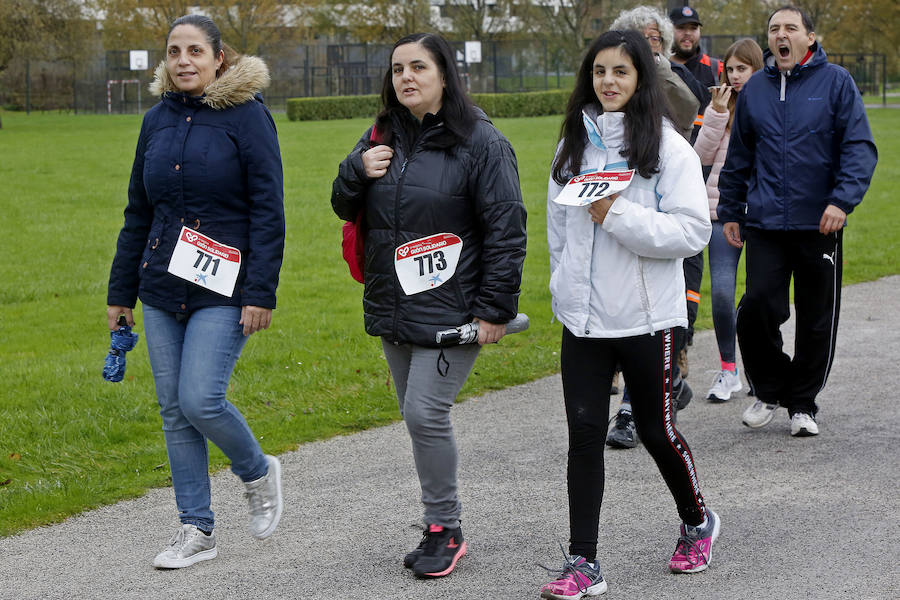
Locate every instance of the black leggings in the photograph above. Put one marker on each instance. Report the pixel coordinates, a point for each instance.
(647, 362)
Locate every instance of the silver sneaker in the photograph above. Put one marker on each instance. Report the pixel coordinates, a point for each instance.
(264, 498)
(189, 545)
(759, 414)
(725, 384)
(803, 425)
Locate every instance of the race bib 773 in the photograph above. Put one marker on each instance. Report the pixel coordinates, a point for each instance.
(428, 262)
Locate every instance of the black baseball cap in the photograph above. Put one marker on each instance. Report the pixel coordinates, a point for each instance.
(684, 14)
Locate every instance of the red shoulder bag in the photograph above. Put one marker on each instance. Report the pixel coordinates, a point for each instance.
(354, 234)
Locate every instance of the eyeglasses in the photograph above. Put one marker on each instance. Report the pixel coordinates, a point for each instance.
(653, 38)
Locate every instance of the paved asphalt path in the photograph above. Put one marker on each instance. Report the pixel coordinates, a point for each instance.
(801, 518)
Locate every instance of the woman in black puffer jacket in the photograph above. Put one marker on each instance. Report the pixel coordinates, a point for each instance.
(445, 244)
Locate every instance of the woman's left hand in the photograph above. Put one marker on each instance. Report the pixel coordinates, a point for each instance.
(599, 208)
(254, 318)
(489, 333)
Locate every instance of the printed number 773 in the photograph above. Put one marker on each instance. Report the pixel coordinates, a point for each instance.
(597, 188)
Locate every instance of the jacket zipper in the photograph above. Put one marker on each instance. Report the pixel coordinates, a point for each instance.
(645, 295)
(412, 151)
(784, 156)
(396, 240)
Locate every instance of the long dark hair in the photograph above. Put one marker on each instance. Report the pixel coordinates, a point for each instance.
(644, 111)
(456, 108)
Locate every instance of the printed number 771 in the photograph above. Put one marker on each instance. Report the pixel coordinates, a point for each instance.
(209, 259)
(597, 188)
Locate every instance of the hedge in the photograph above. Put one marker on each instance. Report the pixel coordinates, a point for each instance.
(522, 104)
(332, 107)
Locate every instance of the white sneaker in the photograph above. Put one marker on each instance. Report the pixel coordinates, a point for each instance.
(803, 425)
(189, 545)
(266, 503)
(725, 383)
(759, 414)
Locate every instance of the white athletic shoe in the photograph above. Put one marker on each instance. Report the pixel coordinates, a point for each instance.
(759, 414)
(189, 545)
(725, 383)
(803, 425)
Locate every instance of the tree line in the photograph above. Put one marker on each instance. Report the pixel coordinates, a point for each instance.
(72, 30)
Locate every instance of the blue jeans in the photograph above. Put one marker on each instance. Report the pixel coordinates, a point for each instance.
(723, 263)
(192, 360)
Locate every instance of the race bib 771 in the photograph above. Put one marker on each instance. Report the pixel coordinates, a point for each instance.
(205, 262)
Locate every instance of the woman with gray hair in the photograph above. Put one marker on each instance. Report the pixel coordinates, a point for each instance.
(657, 30)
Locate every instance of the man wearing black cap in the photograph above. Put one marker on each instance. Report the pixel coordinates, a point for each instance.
(686, 48)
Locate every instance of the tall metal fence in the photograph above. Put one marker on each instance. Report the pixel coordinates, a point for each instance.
(107, 84)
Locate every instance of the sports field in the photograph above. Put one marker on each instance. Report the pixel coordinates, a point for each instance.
(70, 441)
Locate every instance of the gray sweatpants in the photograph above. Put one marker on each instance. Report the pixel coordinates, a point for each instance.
(426, 397)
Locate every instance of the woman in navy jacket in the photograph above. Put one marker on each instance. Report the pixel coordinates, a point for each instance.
(445, 245)
(202, 247)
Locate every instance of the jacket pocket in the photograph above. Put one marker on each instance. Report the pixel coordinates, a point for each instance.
(152, 247)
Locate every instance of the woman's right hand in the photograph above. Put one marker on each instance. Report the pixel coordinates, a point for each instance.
(112, 316)
(732, 233)
(376, 160)
(720, 96)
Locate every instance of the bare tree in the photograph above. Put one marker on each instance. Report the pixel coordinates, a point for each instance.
(375, 21)
(483, 20)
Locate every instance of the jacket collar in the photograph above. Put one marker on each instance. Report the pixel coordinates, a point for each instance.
(604, 129)
(818, 58)
(238, 85)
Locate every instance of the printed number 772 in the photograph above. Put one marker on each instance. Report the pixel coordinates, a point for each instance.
(597, 188)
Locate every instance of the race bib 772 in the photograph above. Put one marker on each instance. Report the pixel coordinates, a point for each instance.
(590, 187)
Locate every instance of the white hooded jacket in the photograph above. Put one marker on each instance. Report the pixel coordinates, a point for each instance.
(625, 277)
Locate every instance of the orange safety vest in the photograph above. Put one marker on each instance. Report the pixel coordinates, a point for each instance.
(706, 60)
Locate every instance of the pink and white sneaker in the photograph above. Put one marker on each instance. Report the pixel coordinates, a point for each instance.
(578, 578)
(693, 551)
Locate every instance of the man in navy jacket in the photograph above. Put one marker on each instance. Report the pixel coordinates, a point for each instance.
(800, 159)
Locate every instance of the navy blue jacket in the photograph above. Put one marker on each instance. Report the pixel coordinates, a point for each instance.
(799, 142)
(213, 164)
(471, 190)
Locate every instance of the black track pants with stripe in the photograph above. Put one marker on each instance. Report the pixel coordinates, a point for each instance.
(647, 362)
(814, 261)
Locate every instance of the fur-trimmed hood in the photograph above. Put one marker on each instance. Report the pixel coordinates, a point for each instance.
(239, 84)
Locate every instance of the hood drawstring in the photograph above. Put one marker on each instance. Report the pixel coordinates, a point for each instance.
(443, 365)
(783, 83)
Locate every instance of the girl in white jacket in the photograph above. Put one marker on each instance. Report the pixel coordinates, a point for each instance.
(618, 289)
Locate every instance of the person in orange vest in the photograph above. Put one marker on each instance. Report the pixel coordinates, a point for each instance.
(686, 52)
(686, 48)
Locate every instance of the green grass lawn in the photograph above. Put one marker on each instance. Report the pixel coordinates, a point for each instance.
(70, 441)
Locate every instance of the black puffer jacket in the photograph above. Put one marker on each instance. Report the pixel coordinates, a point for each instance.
(470, 190)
